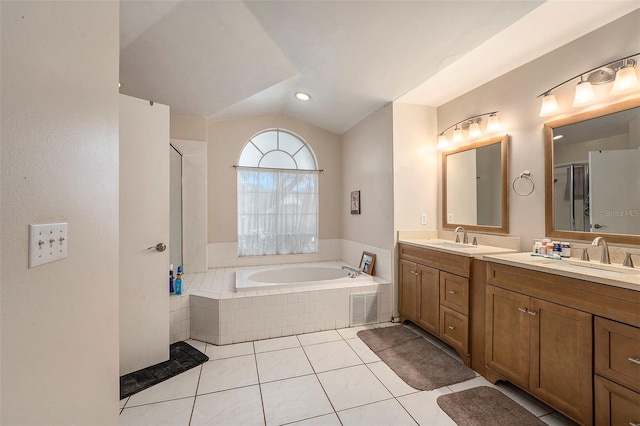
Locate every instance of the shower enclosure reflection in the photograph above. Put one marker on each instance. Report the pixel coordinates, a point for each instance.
(175, 207)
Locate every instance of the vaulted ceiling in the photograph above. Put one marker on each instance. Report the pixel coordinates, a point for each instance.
(225, 59)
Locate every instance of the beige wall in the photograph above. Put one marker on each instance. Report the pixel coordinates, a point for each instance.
(415, 166)
(367, 166)
(189, 127)
(59, 132)
(514, 95)
(225, 141)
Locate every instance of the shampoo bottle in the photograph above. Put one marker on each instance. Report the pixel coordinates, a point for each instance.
(178, 283)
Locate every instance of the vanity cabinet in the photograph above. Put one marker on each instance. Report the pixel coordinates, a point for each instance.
(543, 347)
(617, 368)
(574, 344)
(434, 293)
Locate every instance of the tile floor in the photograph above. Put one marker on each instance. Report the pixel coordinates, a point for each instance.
(325, 378)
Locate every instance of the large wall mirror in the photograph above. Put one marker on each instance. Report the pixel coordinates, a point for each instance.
(474, 186)
(592, 174)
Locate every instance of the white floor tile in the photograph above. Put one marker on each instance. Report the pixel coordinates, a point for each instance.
(170, 413)
(181, 386)
(229, 373)
(424, 409)
(386, 324)
(241, 406)
(228, 351)
(123, 402)
(390, 379)
(557, 419)
(276, 344)
(294, 399)
(351, 332)
(201, 346)
(331, 355)
(319, 337)
(388, 412)
(326, 420)
(282, 364)
(353, 386)
(362, 350)
(473, 383)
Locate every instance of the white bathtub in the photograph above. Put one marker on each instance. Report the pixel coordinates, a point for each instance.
(295, 275)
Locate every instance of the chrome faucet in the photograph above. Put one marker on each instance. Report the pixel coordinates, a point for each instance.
(605, 249)
(628, 261)
(465, 238)
(352, 271)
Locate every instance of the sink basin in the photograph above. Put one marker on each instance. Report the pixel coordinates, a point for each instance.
(455, 246)
(594, 268)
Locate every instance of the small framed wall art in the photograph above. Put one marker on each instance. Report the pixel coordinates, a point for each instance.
(366, 262)
(355, 202)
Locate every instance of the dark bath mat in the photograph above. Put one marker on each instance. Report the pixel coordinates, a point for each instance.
(182, 357)
(419, 363)
(485, 406)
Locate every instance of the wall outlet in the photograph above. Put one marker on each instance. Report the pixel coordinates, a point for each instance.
(450, 218)
(423, 218)
(47, 243)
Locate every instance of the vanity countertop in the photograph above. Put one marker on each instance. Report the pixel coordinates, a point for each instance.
(614, 274)
(452, 247)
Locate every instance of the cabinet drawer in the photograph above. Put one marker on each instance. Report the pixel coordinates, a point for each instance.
(615, 404)
(617, 352)
(454, 329)
(456, 264)
(454, 292)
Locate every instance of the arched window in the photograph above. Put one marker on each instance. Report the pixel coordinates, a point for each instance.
(277, 195)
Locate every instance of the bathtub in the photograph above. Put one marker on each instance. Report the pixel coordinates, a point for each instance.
(295, 275)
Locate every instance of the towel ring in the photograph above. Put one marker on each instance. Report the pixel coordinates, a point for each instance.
(526, 175)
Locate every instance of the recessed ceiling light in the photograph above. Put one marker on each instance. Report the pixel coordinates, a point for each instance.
(301, 96)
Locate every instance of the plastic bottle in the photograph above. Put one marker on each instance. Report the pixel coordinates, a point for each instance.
(178, 282)
(171, 290)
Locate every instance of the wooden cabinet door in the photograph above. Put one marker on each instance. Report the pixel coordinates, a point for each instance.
(507, 344)
(408, 291)
(428, 281)
(615, 404)
(561, 360)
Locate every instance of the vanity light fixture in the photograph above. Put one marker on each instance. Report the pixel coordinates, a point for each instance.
(472, 125)
(621, 71)
(302, 96)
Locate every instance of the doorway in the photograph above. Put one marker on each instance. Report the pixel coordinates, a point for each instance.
(175, 209)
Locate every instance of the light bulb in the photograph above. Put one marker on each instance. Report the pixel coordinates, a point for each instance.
(443, 143)
(302, 96)
(549, 105)
(457, 135)
(493, 124)
(626, 80)
(584, 94)
(474, 130)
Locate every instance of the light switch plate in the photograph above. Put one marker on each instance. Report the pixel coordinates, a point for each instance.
(47, 243)
(423, 218)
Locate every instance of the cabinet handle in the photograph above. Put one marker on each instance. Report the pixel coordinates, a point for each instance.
(451, 327)
(531, 312)
(523, 310)
(635, 361)
(634, 424)
(452, 292)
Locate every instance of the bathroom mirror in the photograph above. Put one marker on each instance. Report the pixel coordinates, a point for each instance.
(475, 188)
(592, 175)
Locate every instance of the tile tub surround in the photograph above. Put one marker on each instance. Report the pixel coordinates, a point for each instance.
(286, 380)
(219, 315)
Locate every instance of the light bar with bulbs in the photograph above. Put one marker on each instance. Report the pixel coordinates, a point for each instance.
(621, 71)
(472, 125)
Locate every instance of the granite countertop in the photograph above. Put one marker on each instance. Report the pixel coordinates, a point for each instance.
(614, 274)
(452, 247)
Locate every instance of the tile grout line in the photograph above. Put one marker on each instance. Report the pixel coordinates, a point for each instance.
(195, 396)
(319, 382)
(255, 360)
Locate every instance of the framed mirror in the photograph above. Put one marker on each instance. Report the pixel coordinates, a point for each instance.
(475, 186)
(592, 175)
